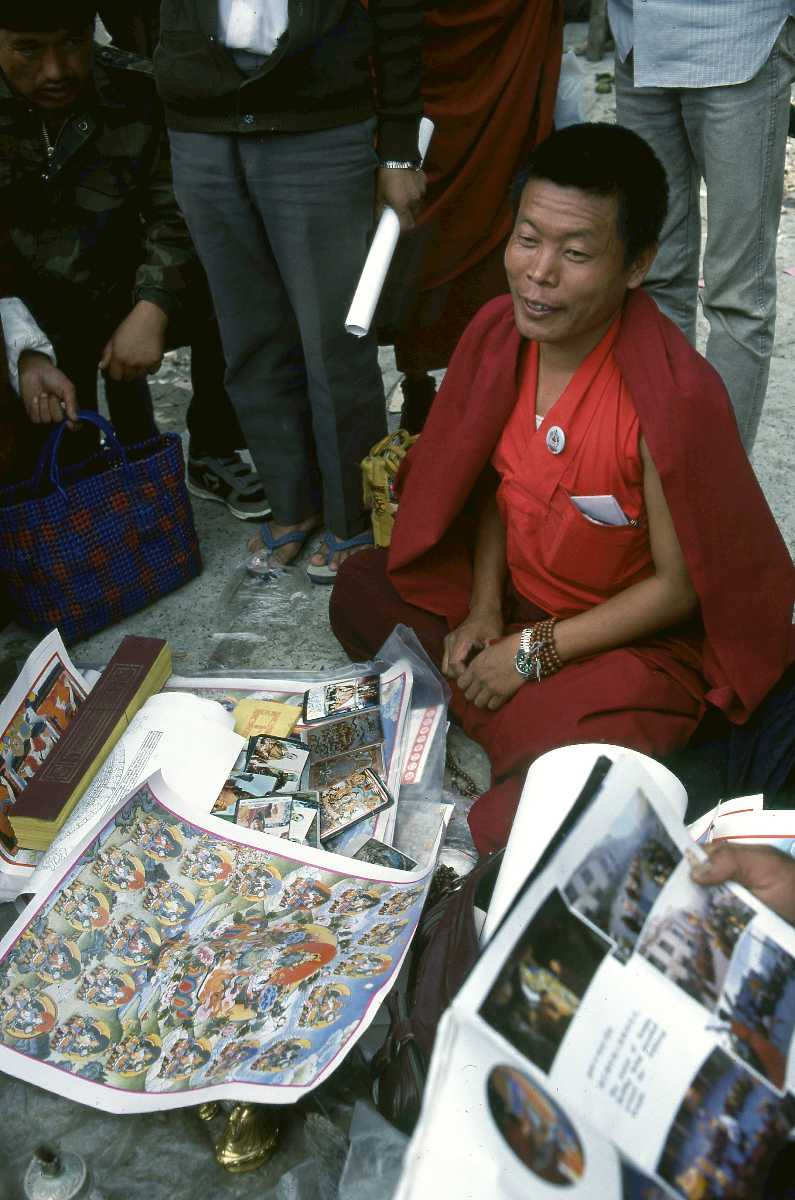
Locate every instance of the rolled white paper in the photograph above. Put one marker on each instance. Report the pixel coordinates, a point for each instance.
(371, 281)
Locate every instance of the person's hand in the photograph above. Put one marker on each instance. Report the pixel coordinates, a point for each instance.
(763, 870)
(480, 628)
(402, 189)
(136, 346)
(47, 394)
(491, 677)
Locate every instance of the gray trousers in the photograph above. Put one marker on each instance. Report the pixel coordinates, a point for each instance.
(734, 138)
(281, 223)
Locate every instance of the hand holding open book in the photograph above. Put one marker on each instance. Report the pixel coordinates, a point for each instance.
(627, 1031)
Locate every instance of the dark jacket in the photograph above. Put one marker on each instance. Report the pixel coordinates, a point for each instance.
(318, 77)
(98, 227)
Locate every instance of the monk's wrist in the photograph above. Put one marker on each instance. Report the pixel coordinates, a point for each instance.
(486, 608)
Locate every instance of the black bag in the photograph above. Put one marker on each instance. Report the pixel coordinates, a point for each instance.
(444, 951)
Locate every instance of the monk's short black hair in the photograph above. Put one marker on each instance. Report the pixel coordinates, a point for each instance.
(47, 16)
(606, 160)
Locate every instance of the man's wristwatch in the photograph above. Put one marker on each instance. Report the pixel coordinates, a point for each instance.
(527, 659)
(396, 164)
(537, 656)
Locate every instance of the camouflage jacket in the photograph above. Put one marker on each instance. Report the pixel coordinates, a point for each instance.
(93, 216)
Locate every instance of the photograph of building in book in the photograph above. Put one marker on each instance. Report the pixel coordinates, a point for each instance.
(168, 958)
(617, 883)
(692, 934)
(536, 1128)
(725, 1134)
(42, 716)
(756, 1010)
(535, 996)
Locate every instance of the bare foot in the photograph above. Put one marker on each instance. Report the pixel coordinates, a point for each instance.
(284, 554)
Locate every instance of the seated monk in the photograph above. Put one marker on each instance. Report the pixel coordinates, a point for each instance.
(581, 543)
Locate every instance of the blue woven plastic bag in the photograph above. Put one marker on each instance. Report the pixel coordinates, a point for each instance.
(84, 546)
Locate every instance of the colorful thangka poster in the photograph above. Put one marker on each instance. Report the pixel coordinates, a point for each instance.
(180, 959)
(34, 715)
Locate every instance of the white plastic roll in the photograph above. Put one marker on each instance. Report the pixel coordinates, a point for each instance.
(382, 248)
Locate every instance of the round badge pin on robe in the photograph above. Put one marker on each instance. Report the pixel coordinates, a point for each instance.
(556, 440)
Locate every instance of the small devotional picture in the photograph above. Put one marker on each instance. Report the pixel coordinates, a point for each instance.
(350, 800)
(335, 699)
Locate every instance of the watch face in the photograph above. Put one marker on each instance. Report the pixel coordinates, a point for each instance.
(526, 661)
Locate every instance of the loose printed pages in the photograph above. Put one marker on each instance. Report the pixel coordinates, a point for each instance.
(179, 959)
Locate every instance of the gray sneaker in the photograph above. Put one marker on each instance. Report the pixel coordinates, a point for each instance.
(232, 482)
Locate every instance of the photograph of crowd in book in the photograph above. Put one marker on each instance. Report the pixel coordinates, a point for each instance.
(637, 1186)
(535, 1127)
(38, 723)
(756, 1009)
(692, 936)
(618, 882)
(725, 1134)
(539, 989)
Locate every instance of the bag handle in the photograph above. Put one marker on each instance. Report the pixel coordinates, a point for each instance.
(48, 459)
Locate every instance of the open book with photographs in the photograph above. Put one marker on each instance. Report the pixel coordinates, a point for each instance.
(625, 1033)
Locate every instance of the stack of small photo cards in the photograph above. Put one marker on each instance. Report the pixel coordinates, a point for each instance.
(261, 793)
(321, 781)
(345, 738)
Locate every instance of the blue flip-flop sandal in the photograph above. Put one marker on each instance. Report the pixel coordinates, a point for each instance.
(323, 573)
(259, 563)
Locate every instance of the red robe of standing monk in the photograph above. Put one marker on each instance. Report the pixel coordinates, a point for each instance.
(642, 379)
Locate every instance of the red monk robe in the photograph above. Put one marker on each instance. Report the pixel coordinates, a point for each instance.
(490, 78)
(649, 696)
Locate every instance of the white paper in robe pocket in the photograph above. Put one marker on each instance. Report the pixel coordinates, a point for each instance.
(603, 510)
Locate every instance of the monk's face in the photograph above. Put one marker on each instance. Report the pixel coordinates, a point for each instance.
(565, 265)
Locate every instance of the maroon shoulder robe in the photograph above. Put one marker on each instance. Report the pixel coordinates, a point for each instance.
(490, 78)
(738, 562)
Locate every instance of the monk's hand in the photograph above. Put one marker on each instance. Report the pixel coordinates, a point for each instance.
(481, 627)
(491, 677)
(136, 346)
(403, 189)
(763, 870)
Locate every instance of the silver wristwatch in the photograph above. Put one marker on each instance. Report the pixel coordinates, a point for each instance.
(396, 164)
(527, 659)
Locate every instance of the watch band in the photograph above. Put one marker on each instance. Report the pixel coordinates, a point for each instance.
(527, 659)
(396, 164)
